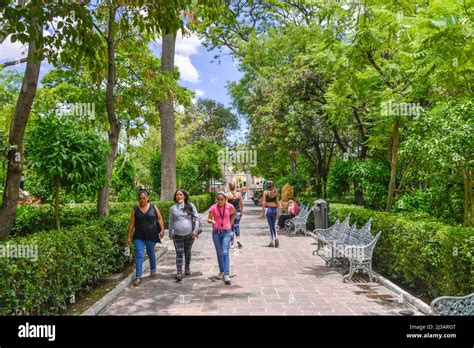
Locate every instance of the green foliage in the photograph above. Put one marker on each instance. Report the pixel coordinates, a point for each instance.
(298, 181)
(317, 80)
(441, 202)
(60, 149)
(195, 165)
(370, 175)
(123, 179)
(210, 121)
(69, 261)
(428, 256)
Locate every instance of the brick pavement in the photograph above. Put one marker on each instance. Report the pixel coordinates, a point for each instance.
(265, 281)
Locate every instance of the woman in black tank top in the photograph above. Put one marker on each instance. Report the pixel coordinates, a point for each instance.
(235, 198)
(147, 224)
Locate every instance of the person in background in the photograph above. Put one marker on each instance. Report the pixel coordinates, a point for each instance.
(244, 191)
(235, 198)
(293, 210)
(222, 216)
(183, 231)
(270, 204)
(147, 226)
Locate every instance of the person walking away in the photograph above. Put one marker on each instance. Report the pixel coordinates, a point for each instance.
(183, 229)
(235, 198)
(147, 226)
(222, 216)
(270, 203)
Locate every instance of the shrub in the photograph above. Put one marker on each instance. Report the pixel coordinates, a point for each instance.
(68, 261)
(428, 256)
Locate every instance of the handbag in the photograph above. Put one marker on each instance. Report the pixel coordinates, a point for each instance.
(199, 225)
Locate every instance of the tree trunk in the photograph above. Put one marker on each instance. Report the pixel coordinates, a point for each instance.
(114, 130)
(393, 163)
(168, 139)
(359, 196)
(468, 206)
(57, 189)
(17, 131)
(293, 163)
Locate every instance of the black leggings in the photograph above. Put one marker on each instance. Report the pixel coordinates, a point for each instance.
(183, 245)
(283, 218)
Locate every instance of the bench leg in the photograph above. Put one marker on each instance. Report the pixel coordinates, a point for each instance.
(364, 266)
(352, 269)
(371, 275)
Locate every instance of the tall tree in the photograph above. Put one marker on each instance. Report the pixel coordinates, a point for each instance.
(168, 138)
(25, 22)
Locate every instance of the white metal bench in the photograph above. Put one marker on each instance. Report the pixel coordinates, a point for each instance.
(346, 242)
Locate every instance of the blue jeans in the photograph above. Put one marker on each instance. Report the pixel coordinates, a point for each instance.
(140, 246)
(271, 213)
(236, 226)
(222, 244)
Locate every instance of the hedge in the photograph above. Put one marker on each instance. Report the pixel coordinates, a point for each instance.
(432, 258)
(68, 261)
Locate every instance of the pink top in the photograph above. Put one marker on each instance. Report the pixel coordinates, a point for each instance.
(294, 209)
(218, 213)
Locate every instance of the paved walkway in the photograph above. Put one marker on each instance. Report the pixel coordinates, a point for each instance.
(265, 281)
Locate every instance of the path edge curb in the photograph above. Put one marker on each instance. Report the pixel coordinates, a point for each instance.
(98, 306)
(406, 296)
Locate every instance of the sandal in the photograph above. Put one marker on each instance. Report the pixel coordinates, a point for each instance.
(137, 281)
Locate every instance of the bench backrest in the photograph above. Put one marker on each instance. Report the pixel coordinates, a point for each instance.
(453, 305)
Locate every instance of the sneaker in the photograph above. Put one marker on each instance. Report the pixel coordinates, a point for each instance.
(271, 245)
(187, 271)
(240, 245)
(220, 275)
(277, 243)
(227, 280)
(179, 277)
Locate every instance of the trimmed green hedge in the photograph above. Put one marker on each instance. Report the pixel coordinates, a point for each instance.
(428, 256)
(68, 261)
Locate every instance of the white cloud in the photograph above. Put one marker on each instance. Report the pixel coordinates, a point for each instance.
(10, 51)
(179, 108)
(187, 70)
(187, 46)
(199, 92)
